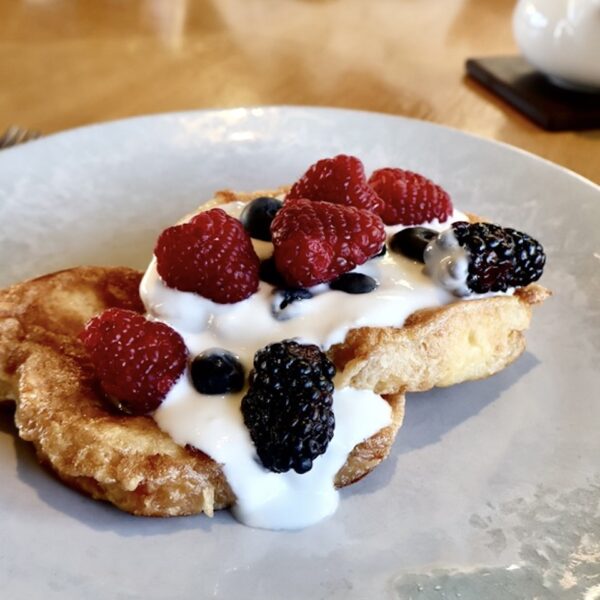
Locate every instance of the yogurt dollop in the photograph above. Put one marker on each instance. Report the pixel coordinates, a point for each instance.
(447, 262)
(214, 424)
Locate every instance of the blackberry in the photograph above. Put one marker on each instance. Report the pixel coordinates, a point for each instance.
(499, 257)
(288, 407)
(529, 258)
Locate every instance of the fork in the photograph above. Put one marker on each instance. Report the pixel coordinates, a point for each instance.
(17, 135)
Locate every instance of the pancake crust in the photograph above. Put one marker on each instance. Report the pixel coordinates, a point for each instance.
(437, 347)
(131, 463)
(126, 460)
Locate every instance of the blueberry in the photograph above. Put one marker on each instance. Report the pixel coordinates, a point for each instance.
(217, 371)
(284, 299)
(257, 216)
(289, 296)
(268, 272)
(354, 283)
(382, 252)
(411, 242)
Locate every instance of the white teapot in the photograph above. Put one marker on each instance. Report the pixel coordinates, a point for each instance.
(561, 38)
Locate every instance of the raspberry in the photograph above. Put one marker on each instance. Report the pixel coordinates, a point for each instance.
(137, 361)
(499, 257)
(288, 406)
(317, 241)
(409, 198)
(211, 255)
(340, 180)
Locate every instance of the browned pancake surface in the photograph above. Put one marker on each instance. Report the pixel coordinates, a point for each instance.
(59, 408)
(436, 347)
(131, 463)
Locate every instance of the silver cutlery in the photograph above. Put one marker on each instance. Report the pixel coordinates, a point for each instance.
(17, 135)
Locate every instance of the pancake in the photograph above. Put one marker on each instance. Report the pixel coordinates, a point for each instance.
(130, 462)
(126, 460)
(436, 347)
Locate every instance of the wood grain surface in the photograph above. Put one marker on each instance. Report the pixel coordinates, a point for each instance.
(65, 63)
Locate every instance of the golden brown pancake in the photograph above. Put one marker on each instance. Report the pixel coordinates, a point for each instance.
(124, 459)
(436, 347)
(130, 462)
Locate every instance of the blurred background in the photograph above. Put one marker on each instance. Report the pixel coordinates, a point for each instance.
(65, 63)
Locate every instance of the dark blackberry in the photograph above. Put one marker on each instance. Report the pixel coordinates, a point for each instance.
(499, 257)
(217, 371)
(354, 283)
(288, 407)
(284, 299)
(529, 258)
(257, 216)
(411, 242)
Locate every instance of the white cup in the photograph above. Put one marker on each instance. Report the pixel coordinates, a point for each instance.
(561, 38)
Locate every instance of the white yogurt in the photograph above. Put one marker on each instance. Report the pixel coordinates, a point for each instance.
(447, 263)
(266, 499)
(214, 424)
(324, 320)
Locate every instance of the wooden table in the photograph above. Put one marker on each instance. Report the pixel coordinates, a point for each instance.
(65, 63)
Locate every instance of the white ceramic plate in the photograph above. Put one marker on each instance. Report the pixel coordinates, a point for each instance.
(493, 487)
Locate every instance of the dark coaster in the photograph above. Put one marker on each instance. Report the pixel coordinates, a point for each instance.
(518, 83)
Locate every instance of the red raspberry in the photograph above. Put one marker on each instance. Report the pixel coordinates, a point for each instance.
(137, 361)
(340, 180)
(317, 241)
(409, 198)
(212, 255)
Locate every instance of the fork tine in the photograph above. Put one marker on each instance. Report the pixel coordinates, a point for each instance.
(7, 137)
(17, 135)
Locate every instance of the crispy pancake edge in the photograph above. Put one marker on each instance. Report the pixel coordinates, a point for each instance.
(88, 444)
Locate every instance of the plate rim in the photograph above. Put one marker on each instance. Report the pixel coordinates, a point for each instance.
(308, 108)
(555, 169)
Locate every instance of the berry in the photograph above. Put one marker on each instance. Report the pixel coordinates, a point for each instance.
(409, 198)
(257, 216)
(382, 252)
(211, 255)
(136, 360)
(268, 272)
(412, 241)
(284, 305)
(529, 258)
(288, 408)
(354, 283)
(317, 241)
(490, 254)
(217, 371)
(498, 257)
(340, 180)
